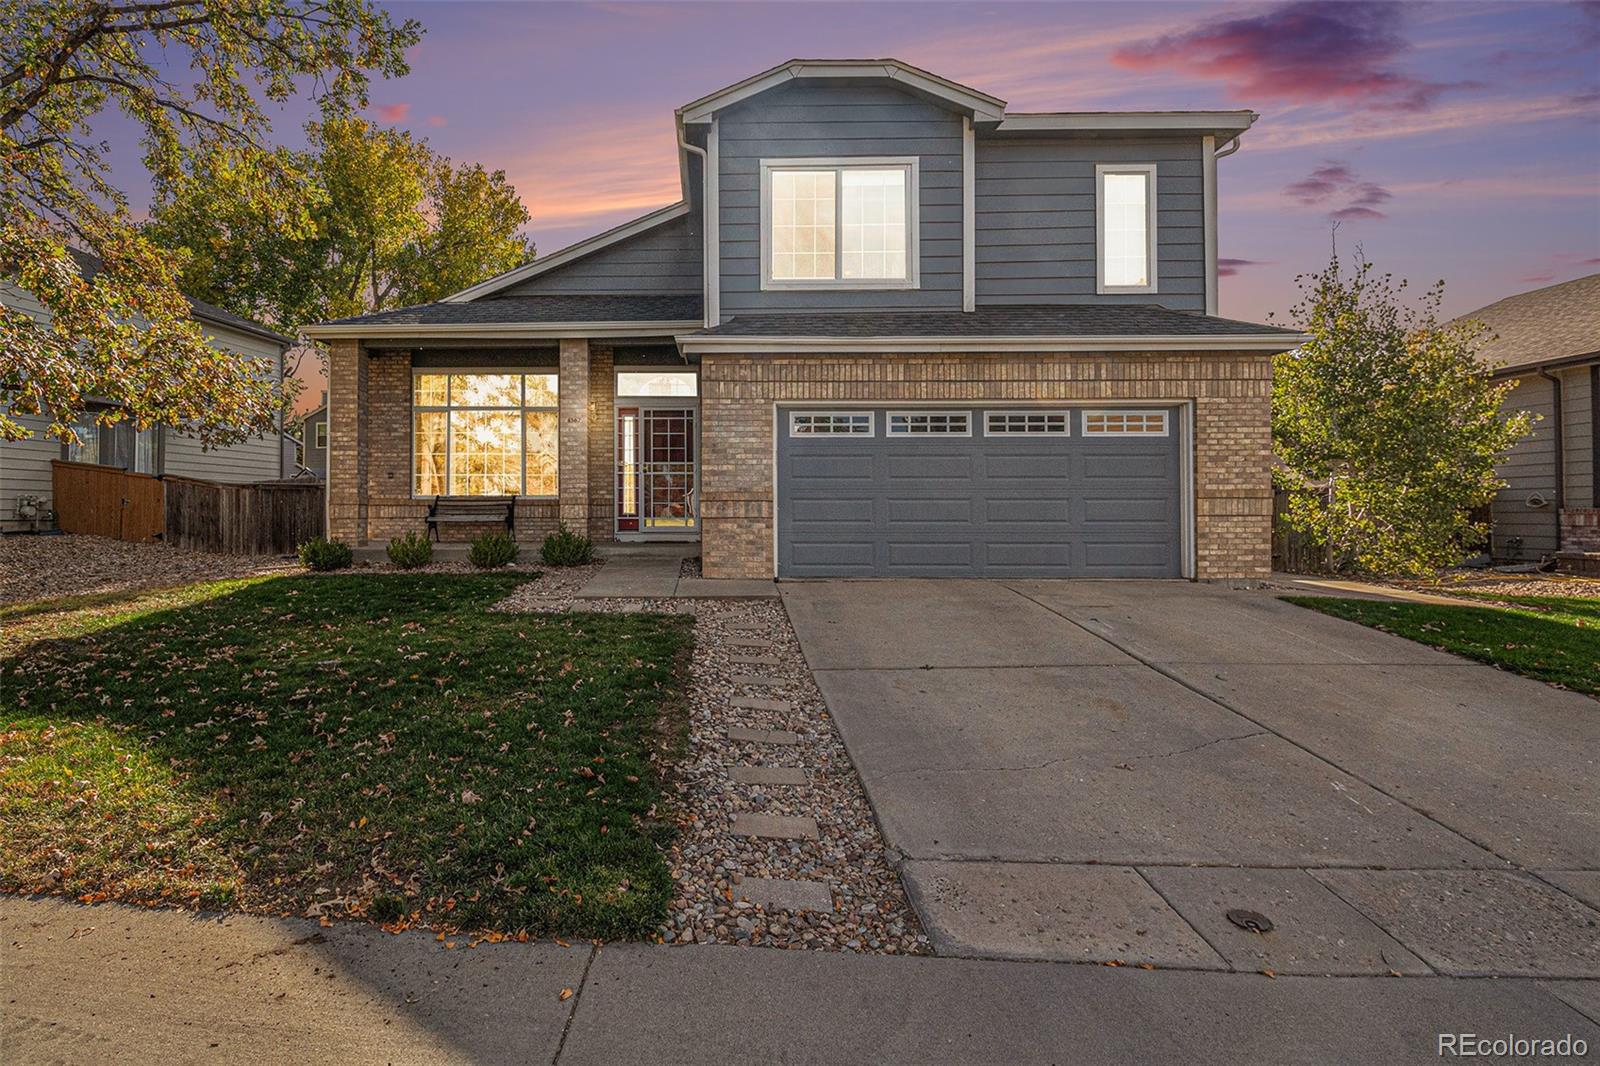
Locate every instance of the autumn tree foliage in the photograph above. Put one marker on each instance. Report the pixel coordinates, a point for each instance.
(388, 222)
(197, 78)
(1386, 425)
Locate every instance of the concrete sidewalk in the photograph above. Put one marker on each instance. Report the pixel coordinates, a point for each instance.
(112, 984)
(652, 572)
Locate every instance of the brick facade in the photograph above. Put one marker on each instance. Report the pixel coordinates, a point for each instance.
(369, 464)
(1232, 395)
(1580, 529)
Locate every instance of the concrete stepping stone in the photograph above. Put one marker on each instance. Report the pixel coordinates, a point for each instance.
(748, 642)
(762, 736)
(756, 679)
(754, 660)
(775, 826)
(747, 627)
(777, 894)
(774, 706)
(768, 775)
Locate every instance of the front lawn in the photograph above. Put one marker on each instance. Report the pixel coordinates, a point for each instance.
(1551, 638)
(360, 745)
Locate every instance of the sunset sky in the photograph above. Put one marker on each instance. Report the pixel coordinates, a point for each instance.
(1450, 140)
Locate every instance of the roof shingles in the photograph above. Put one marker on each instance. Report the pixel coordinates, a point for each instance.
(1014, 320)
(499, 310)
(1548, 325)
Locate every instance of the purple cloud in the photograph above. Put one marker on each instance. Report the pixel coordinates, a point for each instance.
(1337, 185)
(1308, 51)
(394, 112)
(1227, 268)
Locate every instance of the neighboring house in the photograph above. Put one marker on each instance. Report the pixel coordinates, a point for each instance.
(25, 464)
(1548, 342)
(890, 329)
(310, 442)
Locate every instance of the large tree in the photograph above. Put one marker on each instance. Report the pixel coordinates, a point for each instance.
(197, 78)
(1386, 425)
(388, 223)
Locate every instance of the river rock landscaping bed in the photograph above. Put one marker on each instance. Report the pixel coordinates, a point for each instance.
(710, 864)
(47, 566)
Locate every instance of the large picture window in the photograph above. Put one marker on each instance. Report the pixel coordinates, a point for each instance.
(850, 224)
(1125, 227)
(484, 434)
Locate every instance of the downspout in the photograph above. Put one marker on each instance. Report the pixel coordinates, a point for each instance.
(707, 252)
(1208, 182)
(1228, 149)
(1561, 446)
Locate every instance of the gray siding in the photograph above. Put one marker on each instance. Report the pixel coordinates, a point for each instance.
(25, 469)
(257, 459)
(808, 119)
(664, 259)
(1579, 430)
(1035, 220)
(312, 457)
(1529, 466)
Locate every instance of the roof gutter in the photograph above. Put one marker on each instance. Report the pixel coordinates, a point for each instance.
(501, 330)
(702, 344)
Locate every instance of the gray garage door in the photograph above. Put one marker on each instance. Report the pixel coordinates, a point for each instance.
(981, 492)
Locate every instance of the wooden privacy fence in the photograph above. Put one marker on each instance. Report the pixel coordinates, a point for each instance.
(1292, 551)
(106, 502)
(265, 518)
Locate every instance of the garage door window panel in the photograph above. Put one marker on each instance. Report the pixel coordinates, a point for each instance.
(930, 424)
(830, 424)
(1026, 423)
(1125, 424)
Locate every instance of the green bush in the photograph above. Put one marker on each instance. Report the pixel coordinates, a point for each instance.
(320, 554)
(492, 550)
(566, 548)
(411, 551)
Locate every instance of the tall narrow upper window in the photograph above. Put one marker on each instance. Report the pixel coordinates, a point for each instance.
(848, 224)
(1125, 227)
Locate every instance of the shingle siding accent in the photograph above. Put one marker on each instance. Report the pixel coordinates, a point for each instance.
(1232, 440)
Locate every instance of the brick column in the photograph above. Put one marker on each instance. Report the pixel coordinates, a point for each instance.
(602, 442)
(573, 435)
(347, 441)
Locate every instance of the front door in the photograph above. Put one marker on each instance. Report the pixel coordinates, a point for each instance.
(657, 464)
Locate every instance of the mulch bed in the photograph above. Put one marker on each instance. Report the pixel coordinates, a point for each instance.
(44, 567)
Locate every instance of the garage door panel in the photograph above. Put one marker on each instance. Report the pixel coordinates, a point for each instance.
(1127, 510)
(1004, 511)
(903, 512)
(835, 511)
(1013, 505)
(1001, 467)
(936, 466)
(924, 555)
(1103, 465)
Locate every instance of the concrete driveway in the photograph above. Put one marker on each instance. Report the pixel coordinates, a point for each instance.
(1103, 770)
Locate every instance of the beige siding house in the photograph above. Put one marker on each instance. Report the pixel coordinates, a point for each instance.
(890, 329)
(1548, 343)
(25, 471)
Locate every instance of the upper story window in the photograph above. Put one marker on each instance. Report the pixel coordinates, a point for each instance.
(320, 435)
(1125, 227)
(839, 223)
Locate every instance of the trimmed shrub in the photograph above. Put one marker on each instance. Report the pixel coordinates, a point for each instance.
(320, 554)
(492, 550)
(566, 548)
(411, 551)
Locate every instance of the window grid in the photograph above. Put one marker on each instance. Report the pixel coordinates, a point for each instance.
(839, 223)
(1026, 423)
(1125, 423)
(1125, 196)
(925, 423)
(830, 423)
(484, 434)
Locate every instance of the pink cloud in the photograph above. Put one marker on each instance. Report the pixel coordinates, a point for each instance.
(394, 112)
(438, 120)
(1307, 51)
(1336, 183)
(1536, 279)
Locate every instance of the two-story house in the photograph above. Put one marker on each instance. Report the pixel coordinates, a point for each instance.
(890, 329)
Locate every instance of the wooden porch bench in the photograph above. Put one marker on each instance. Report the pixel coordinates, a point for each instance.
(477, 509)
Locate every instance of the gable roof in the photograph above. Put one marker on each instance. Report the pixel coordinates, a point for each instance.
(90, 264)
(588, 246)
(1555, 324)
(980, 105)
